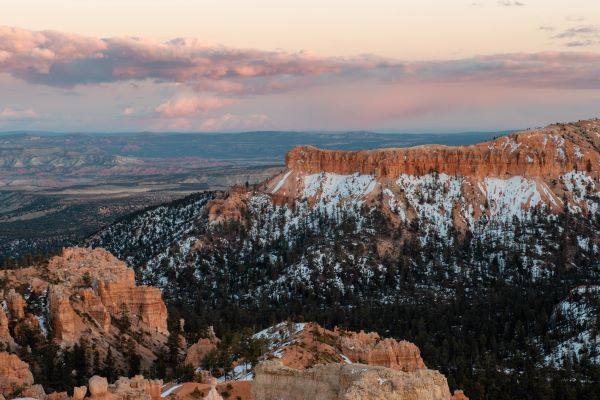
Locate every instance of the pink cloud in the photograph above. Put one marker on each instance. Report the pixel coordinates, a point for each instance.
(9, 113)
(127, 111)
(189, 106)
(234, 122)
(66, 60)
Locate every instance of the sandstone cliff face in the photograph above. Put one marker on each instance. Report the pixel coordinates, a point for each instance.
(274, 381)
(14, 374)
(547, 152)
(86, 294)
(115, 286)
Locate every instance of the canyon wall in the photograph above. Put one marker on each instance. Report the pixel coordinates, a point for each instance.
(547, 152)
(85, 295)
(273, 381)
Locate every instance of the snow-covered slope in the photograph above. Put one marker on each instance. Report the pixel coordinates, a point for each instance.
(576, 328)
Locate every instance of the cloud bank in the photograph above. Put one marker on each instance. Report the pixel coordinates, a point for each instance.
(67, 60)
(188, 106)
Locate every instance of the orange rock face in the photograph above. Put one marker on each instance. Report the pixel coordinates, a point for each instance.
(14, 374)
(274, 381)
(544, 160)
(459, 395)
(63, 316)
(4, 331)
(308, 361)
(545, 153)
(200, 349)
(16, 305)
(86, 290)
(316, 345)
(116, 291)
(369, 348)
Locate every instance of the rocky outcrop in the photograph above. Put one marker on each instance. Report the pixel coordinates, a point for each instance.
(14, 374)
(16, 305)
(114, 284)
(5, 337)
(88, 295)
(199, 350)
(63, 316)
(16, 379)
(230, 208)
(547, 152)
(307, 361)
(542, 168)
(274, 381)
(369, 348)
(305, 345)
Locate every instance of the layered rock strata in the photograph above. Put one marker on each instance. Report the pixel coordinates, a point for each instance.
(274, 381)
(547, 152)
(89, 295)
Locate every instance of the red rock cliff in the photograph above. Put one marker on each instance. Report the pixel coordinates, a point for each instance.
(91, 296)
(114, 290)
(546, 152)
(14, 374)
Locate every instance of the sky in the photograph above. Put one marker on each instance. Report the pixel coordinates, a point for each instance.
(237, 65)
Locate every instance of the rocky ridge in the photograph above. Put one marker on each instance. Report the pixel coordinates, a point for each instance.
(274, 381)
(84, 296)
(546, 153)
(305, 345)
(547, 168)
